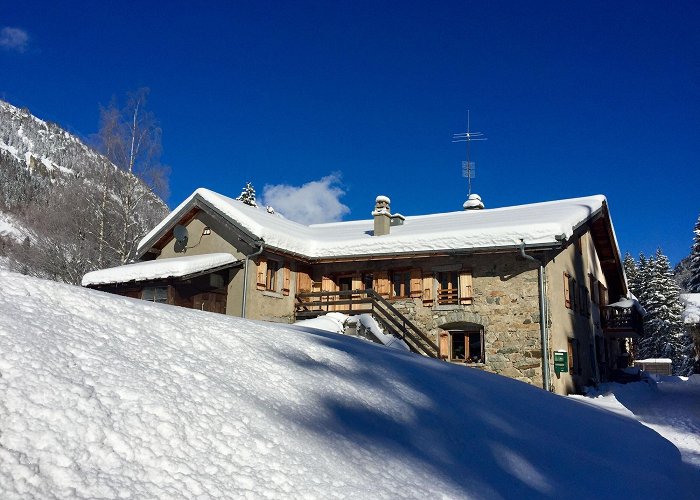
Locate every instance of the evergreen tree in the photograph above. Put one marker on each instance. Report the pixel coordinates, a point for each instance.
(631, 272)
(247, 196)
(664, 332)
(693, 284)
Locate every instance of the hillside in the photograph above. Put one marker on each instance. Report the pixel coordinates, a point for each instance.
(54, 192)
(105, 396)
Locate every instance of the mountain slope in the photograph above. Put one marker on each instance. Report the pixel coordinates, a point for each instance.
(57, 190)
(104, 396)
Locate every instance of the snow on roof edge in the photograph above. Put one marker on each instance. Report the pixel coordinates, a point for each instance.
(555, 217)
(174, 267)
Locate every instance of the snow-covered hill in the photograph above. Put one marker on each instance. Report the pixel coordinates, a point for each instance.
(49, 179)
(104, 396)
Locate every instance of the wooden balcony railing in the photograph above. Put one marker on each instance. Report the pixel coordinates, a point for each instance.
(621, 321)
(447, 296)
(312, 304)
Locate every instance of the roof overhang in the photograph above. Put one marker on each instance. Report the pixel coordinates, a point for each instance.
(178, 268)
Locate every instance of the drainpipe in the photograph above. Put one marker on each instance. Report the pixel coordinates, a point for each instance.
(544, 339)
(261, 244)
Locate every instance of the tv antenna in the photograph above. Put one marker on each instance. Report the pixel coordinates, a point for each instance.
(468, 167)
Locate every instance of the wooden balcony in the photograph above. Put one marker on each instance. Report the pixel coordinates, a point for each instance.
(622, 320)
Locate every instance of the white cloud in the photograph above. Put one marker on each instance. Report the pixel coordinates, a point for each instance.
(313, 203)
(14, 39)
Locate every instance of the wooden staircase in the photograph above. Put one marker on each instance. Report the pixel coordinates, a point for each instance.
(351, 302)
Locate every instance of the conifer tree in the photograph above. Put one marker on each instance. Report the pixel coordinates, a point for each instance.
(247, 196)
(631, 272)
(664, 332)
(693, 285)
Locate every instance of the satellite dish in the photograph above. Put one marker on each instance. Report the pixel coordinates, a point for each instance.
(180, 233)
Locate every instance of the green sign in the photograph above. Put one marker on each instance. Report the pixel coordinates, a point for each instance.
(561, 361)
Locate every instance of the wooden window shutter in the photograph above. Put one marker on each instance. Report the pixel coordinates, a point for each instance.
(465, 287)
(416, 283)
(428, 290)
(262, 274)
(303, 281)
(382, 285)
(444, 344)
(286, 279)
(356, 283)
(327, 284)
(567, 296)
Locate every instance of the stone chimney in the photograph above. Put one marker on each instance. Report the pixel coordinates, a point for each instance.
(473, 203)
(382, 216)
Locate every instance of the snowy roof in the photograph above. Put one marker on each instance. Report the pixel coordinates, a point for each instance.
(538, 224)
(176, 267)
(662, 361)
(691, 313)
(628, 304)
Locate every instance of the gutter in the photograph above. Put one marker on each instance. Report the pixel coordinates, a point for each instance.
(544, 338)
(261, 244)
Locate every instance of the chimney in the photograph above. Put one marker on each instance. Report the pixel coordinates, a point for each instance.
(473, 203)
(382, 216)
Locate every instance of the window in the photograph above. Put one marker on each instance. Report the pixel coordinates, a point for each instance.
(268, 279)
(448, 287)
(155, 294)
(570, 292)
(453, 287)
(602, 295)
(594, 289)
(400, 284)
(367, 281)
(584, 308)
(344, 283)
(467, 346)
(574, 361)
(271, 275)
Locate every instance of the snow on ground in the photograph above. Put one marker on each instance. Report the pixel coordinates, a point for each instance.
(105, 396)
(10, 228)
(336, 322)
(669, 405)
(691, 311)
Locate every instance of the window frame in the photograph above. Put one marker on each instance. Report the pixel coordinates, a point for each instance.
(155, 289)
(404, 286)
(466, 335)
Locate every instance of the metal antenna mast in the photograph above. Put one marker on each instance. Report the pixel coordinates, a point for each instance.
(468, 167)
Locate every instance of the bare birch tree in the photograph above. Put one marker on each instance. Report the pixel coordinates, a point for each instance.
(131, 139)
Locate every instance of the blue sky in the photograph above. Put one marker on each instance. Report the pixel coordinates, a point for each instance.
(576, 98)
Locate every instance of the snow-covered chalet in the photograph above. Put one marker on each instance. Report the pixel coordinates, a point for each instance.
(534, 292)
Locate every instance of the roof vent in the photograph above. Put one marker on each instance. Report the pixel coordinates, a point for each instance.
(473, 203)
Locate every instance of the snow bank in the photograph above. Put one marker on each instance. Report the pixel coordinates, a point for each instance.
(668, 404)
(105, 396)
(156, 269)
(335, 322)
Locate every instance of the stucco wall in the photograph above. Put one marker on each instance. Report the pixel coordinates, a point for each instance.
(198, 243)
(271, 305)
(566, 323)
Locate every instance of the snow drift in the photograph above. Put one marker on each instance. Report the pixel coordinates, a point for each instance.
(105, 396)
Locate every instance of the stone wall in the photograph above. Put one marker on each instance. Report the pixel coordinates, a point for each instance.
(506, 304)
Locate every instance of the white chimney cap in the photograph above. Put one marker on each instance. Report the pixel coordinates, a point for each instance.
(382, 198)
(473, 202)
